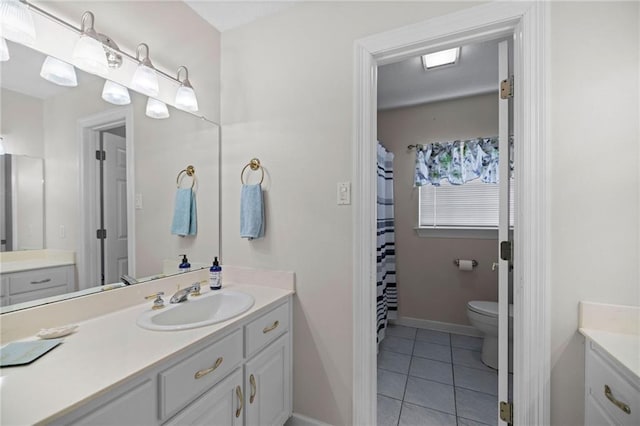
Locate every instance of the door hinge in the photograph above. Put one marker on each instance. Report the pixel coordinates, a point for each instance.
(506, 412)
(101, 234)
(506, 252)
(101, 155)
(506, 88)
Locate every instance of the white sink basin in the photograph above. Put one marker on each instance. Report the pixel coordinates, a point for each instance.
(197, 311)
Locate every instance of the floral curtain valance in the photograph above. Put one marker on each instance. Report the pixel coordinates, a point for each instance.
(458, 162)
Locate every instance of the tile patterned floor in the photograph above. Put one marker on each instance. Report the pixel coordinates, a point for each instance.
(429, 378)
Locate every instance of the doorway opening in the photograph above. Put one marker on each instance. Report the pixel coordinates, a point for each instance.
(438, 215)
(526, 21)
(107, 240)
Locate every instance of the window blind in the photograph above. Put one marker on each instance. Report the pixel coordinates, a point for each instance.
(472, 205)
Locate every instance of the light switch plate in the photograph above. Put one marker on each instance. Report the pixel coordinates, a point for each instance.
(344, 193)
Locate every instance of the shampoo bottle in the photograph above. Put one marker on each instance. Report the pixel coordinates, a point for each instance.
(215, 279)
(184, 266)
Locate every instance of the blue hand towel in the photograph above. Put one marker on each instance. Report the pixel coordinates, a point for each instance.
(251, 212)
(184, 214)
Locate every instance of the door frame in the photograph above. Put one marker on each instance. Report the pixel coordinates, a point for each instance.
(527, 22)
(88, 128)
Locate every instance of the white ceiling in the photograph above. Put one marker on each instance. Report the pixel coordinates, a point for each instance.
(407, 83)
(225, 15)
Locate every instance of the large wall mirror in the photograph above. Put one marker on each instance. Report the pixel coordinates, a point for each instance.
(101, 166)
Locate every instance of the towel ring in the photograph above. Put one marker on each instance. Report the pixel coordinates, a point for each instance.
(190, 171)
(254, 164)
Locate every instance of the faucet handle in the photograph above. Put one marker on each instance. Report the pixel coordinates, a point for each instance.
(158, 303)
(195, 289)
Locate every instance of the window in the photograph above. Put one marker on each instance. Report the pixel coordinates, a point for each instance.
(472, 206)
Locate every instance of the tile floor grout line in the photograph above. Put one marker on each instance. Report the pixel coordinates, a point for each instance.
(453, 379)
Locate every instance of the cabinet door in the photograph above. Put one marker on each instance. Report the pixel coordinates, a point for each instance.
(267, 385)
(222, 405)
(135, 406)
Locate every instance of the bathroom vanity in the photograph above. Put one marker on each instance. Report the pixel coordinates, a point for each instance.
(111, 371)
(612, 364)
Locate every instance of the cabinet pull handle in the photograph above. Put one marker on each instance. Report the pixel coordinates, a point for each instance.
(240, 400)
(206, 371)
(252, 381)
(271, 327)
(621, 405)
(46, 280)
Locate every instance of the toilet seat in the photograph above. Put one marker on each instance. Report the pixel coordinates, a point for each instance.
(489, 309)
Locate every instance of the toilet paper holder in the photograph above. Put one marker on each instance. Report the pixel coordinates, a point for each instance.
(473, 262)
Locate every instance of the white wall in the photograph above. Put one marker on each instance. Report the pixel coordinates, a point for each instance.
(21, 137)
(594, 180)
(287, 99)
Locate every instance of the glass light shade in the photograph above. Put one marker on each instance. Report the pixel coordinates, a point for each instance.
(4, 50)
(16, 22)
(89, 55)
(186, 99)
(444, 57)
(58, 72)
(157, 109)
(145, 81)
(115, 93)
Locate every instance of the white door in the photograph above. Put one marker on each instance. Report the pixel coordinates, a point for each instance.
(115, 207)
(504, 236)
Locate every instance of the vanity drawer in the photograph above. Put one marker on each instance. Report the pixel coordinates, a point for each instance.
(38, 279)
(266, 329)
(190, 377)
(602, 371)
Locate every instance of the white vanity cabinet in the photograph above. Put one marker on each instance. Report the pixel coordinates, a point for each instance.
(241, 376)
(32, 284)
(612, 393)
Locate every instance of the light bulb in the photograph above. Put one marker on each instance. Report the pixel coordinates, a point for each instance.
(157, 109)
(115, 93)
(89, 55)
(145, 81)
(186, 99)
(16, 22)
(58, 72)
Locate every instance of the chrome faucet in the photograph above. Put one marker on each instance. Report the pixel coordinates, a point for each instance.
(181, 295)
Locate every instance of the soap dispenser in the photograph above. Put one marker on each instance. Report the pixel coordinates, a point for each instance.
(215, 279)
(184, 266)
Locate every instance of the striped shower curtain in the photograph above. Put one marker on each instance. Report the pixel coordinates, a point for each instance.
(387, 298)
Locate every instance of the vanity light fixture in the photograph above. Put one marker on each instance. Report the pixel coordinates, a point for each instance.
(88, 53)
(115, 93)
(58, 72)
(16, 22)
(438, 59)
(156, 109)
(4, 50)
(145, 79)
(185, 96)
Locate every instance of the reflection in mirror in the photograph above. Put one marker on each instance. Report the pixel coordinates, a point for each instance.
(21, 202)
(108, 188)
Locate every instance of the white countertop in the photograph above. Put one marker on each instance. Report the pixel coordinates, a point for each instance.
(104, 352)
(28, 265)
(625, 348)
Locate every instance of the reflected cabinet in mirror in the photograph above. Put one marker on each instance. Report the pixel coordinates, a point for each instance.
(89, 188)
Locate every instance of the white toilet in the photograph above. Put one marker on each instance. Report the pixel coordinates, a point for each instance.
(483, 315)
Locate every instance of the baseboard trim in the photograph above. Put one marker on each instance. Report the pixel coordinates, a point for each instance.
(302, 420)
(447, 327)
